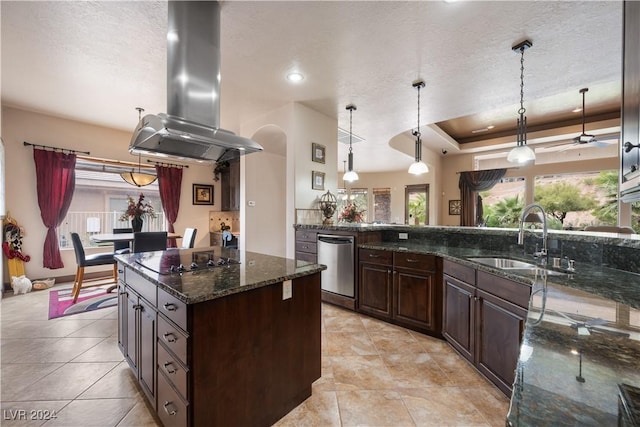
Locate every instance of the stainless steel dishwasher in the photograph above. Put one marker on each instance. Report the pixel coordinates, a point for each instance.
(336, 252)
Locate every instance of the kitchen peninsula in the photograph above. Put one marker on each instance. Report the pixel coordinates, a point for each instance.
(218, 336)
(567, 355)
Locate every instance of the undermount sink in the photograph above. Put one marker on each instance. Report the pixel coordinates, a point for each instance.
(515, 266)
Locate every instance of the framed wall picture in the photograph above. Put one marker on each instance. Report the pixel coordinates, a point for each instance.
(318, 152)
(455, 207)
(317, 180)
(202, 194)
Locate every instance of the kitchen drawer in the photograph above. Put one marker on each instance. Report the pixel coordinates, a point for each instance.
(306, 236)
(514, 292)
(308, 247)
(415, 261)
(461, 272)
(173, 370)
(173, 339)
(306, 256)
(173, 308)
(172, 411)
(142, 286)
(375, 256)
(122, 271)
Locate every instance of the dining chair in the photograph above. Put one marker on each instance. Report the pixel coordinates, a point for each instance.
(120, 248)
(84, 260)
(189, 238)
(149, 241)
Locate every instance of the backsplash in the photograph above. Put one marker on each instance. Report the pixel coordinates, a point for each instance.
(230, 218)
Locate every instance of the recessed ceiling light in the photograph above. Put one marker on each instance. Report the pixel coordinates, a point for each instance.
(295, 77)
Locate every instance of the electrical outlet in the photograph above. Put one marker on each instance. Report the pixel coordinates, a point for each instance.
(287, 290)
(403, 236)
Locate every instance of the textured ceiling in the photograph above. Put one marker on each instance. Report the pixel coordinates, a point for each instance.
(96, 61)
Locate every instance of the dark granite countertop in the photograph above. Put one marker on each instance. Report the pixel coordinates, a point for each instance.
(581, 339)
(254, 270)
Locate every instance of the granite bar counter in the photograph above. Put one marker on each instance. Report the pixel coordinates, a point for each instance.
(216, 336)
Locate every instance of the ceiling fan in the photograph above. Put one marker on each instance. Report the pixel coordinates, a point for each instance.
(585, 138)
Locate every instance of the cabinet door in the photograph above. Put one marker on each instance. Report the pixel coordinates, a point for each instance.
(500, 329)
(130, 345)
(459, 309)
(147, 360)
(631, 89)
(414, 298)
(375, 289)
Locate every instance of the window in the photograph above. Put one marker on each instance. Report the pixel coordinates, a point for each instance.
(359, 196)
(100, 198)
(416, 210)
(382, 205)
(503, 204)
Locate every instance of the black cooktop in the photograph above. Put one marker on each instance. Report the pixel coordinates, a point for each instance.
(177, 262)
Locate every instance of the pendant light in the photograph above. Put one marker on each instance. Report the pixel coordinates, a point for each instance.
(139, 179)
(418, 167)
(350, 175)
(521, 153)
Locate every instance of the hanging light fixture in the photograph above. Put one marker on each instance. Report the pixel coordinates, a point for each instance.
(139, 179)
(350, 175)
(418, 167)
(521, 153)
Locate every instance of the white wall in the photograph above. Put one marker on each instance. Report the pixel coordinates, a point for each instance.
(21, 199)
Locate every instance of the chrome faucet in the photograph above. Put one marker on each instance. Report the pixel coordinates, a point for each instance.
(544, 252)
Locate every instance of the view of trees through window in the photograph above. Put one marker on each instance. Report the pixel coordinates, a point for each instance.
(572, 202)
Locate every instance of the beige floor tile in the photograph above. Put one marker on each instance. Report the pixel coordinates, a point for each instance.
(321, 409)
(374, 325)
(67, 382)
(106, 351)
(22, 414)
(415, 370)
(431, 344)
(98, 328)
(117, 383)
(349, 344)
(57, 350)
(15, 377)
(441, 406)
(458, 369)
(40, 328)
(139, 416)
(326, 382)
(361, 373)
(395, 341)
(490, 401)
(373, 408)
(343, 323)
(93, 412)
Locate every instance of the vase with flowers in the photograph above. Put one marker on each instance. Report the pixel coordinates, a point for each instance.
(351, 213)
(137, 210)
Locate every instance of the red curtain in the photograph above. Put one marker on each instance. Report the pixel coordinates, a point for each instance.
(56, 182)
(170, 185)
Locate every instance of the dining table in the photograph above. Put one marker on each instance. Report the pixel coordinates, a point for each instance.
(123, 237)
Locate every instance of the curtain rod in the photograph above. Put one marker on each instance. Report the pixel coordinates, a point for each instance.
(56, 148)
(480, 170)
(167, 164)
(113, 162)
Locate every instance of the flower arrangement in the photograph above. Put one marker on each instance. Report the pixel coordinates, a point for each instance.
(137, 209)
(351, 213)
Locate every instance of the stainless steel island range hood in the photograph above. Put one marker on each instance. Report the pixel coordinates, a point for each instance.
(190, 129)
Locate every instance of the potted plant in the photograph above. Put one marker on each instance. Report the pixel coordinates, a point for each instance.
(137, 211)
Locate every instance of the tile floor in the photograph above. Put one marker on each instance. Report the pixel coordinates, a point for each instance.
(373, 374)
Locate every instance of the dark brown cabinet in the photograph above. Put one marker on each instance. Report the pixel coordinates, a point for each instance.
(306, 245)
(230, 183)
(375, 290)
(484, 319)
(402, 288)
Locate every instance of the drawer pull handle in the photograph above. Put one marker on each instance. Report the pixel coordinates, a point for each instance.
(137, 307)
(374, 256)
(167, 410)
(120, 271)
(169, 337)
(305, 247)
(170, 307)
(412, 260)
(166, 368)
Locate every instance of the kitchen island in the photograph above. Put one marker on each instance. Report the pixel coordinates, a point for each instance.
(217, 336)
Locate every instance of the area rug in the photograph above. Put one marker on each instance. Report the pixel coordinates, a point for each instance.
(61, 301)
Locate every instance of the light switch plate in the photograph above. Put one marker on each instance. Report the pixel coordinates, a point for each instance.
(403, 236)
(287, 289)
